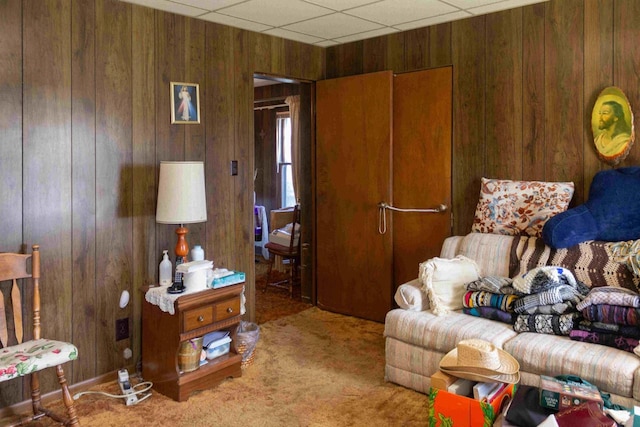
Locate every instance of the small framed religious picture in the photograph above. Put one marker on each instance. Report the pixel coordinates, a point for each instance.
(185, 103)
(612, 125)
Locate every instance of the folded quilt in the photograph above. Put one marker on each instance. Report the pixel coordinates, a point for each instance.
(559, 308)
(543, 278)
(493, 284)
(610, 328)
(487, 299)
(607, 313)
(551, 324)
(610, 340)
(556, 295)
(490, 313)
(610, 295)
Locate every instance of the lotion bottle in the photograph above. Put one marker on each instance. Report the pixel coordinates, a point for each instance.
(165, 269)
(197, 253)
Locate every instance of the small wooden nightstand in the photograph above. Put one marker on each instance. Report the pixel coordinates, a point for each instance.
(195, 315)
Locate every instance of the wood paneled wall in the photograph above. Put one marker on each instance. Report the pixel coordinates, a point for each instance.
(85, 120)
(525, 82)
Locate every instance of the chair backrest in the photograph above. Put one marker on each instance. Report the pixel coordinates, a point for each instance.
(295, 221)
(13, 267)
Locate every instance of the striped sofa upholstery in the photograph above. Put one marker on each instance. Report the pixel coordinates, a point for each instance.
(415, 341)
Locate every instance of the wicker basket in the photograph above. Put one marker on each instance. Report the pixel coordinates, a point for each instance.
(246, 339)
(189, 354)
(246, 360)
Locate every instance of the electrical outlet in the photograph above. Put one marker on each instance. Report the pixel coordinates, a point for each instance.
(122, 329)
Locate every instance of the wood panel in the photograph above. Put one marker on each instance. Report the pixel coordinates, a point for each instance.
(10, 150)
(11, 125)
(170, 139)
(83, 136)
(383, 53)
(194, 139)
(46, 161)
(353, 159)
(469, 77)
(504, 95)
(564, 95)
(114, 172)
(427, 47)
(422, 132)
(307, 215)
(533, 104)
(145, 257)
(598, 58)
(345, 60)
(626, 60)
(243, 258)
(220, 144)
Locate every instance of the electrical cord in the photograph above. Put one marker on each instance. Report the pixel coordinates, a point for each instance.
(148, 384)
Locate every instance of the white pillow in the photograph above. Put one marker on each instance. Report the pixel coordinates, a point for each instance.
(411, 296)
(444, 280)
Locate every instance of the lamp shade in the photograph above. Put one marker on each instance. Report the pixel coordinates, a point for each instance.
(181, 193)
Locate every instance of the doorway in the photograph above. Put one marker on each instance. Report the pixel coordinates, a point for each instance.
(276, 187)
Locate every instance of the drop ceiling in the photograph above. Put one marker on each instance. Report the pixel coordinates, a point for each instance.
(331, 22)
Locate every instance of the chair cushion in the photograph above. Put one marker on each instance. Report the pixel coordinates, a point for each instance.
(32, 356)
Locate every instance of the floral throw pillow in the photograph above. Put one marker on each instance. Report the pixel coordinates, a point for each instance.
(519, 207)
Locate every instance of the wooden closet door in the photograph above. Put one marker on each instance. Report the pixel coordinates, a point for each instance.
(353, 174)
(422, 109)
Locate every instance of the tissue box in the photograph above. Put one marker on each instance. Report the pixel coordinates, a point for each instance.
(232, 279)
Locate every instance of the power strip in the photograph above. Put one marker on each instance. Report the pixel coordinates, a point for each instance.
(125, 385)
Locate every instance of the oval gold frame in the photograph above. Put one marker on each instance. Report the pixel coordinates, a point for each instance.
(612, 137)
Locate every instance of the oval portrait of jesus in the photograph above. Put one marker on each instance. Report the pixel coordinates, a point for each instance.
(612, 125)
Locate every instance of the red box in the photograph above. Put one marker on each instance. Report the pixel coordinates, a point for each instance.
(452, 410)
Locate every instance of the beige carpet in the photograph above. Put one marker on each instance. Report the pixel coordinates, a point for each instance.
(313, 368)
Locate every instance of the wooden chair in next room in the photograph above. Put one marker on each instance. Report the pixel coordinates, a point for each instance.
(290, 252)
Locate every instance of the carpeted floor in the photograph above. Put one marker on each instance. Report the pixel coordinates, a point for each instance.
(312, 368)
(272, 302)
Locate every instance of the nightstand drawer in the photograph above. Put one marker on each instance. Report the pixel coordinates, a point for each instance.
(227, 309)
(197, 318)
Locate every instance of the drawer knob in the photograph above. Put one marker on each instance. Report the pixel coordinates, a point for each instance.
(200, 318)
(229, 310)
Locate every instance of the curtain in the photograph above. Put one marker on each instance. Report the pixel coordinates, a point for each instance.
(294, 112)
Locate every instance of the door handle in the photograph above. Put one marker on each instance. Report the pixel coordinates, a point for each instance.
(383, 206)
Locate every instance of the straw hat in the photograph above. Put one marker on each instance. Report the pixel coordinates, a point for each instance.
(479, 360)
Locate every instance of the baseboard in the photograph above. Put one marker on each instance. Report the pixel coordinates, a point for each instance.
(24, 407)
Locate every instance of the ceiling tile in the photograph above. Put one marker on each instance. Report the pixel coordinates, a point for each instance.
(234, 22)
(209, 5)
(433, 21)
(502, 6)
(333, 26)
(366, 35)
(275, 12)
(392, 12)
(292, 35)
(340, 4)
(169, 6)
(327, 43)
(467, 4)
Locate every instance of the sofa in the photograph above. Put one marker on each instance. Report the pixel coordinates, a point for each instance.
(416, 339)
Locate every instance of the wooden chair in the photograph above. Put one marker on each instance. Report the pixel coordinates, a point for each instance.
(27, 358)
(290, 252)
